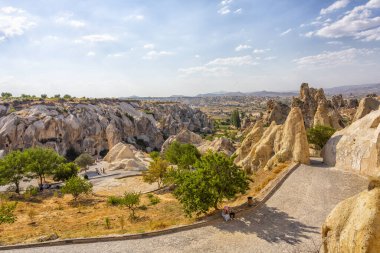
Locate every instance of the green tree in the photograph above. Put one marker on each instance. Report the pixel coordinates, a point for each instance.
(6, 95)
(154, 155)
(215, 178)
(43, 96)
(319, 135)
(131, 200)
(65, 171)
(57, 96)
(235, 119)
(13, 168)
(156, 172)
(84, 160)
(7, 212)
(42, 162)
(77, 186)
(183, 155)
(67, 96)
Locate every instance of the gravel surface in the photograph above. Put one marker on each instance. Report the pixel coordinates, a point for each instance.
(290, 221)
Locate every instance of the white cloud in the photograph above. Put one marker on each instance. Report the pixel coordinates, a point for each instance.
(260, 51)
(155, 54)
(238, 11)
(242, 47)
(339, 4)
(135, 17)
(14, 22)
(269, 58)
(335, 43)
(66, 19)
(149, 46)
(204, 70)
(286, 32)
(333, 58)
(224, 10)
(358, 23)
(91, 53)
(97, 38)
(233, 61)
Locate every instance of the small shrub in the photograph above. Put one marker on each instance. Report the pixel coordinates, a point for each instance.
(31, 191)
(153, 200)
(77, 186)
(143, 207)
(107, 222)
(7, 212)
(114, 201)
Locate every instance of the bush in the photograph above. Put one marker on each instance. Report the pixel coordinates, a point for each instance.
(319, 135)
(156, 172)
(31, 191)
(131, 200)
(65, 171)
(115, 201)
(77, 186)
(183, 155)
(153, 199)
(84, 160)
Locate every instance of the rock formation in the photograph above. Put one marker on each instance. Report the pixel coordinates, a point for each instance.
(277, 144)
(354, 225)
(338, 101)
(95, 126)
(127, 157)
(357, 147)
(184, 136)
(220, 144)
(277, 112)
(327, 116)
(366, 105)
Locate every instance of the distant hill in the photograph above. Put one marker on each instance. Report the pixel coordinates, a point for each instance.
(254, 94)
(356, 90)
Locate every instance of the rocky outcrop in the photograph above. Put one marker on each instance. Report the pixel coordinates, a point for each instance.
(126, 157)
(352, 103)
(357, 147)
(327, 116)
(366, 105)
(277, 112)
(249, 141)
(338, 101)
(95, 126)
(277, 144)
(184, 136)
(354, 225)
(220, 144)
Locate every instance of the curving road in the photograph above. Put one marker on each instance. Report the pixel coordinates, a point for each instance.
(289, 221)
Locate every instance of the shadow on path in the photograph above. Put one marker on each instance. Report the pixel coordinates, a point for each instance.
(271, 225)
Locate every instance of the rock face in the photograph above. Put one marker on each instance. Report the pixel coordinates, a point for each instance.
(277, 112)
(354, 225)
(127, 157)
(366, 105)
(184, 136)
(357, 147)
(95, 126)
(316, 109)
(277, 144)
(221, 144)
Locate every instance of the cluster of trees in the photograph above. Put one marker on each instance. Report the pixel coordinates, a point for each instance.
(39, 163)
(201, 182)
(7, 95)
(235, 119)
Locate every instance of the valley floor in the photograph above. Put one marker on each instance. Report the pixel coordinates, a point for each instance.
(290, 221)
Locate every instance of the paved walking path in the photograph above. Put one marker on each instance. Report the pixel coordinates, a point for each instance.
(289, 221)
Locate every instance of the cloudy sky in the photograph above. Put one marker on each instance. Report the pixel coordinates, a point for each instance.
(163, 47)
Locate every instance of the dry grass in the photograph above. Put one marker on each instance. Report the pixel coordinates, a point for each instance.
(59, 215)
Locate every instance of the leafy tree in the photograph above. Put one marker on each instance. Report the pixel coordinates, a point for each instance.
(235, 119)
(65, 171)
(131, 200)
(156, 172)
(319, 135)
(7, 212)
(13, 168)
(67, 96)
(216, 178)
(6, 95)
(77, 186)
(43, 96)
(84, 160)
(183, 155)
(154, 155)
(42, 162)
(57, 96)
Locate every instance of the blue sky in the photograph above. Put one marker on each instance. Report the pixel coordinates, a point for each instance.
(119, 48)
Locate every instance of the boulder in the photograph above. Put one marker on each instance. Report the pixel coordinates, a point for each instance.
(220, 144)
(357, 147)
(354, 225)
(366, 105)
(126, 157)
(184, 136)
